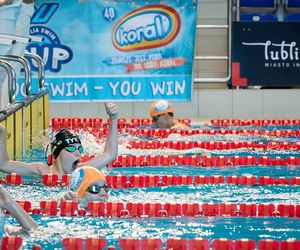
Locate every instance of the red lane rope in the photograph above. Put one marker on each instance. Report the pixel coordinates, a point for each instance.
(68, 122)
(182, 243)
(121, 181)
(164, 133)
(202, 161)
(11, 242)
(134, 181)
(76, 122)
(119, 209)
(100, 132)
(254, 122)
(213, 145)
(48, 180)
(73, 243)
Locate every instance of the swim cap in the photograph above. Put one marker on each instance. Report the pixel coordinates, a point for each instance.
(82, 177)
(160, 107)
(62, 139)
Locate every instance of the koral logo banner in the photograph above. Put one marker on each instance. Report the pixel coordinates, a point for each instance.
(116, 50)
(266, 53)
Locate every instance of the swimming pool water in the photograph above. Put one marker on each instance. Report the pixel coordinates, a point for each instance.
(55, 228)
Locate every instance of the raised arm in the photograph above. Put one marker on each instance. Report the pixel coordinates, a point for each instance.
(22, 168)
(16, 210)
(111, 146)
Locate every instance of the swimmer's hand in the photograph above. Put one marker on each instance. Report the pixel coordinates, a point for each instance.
(69, 196)
(111, 110)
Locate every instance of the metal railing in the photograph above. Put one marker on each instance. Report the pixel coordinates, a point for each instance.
(6, 39)
(12, 81)
(41, 68)
(26, 67)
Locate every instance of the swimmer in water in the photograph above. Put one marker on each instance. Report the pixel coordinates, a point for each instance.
(162, 113)
(66, 151)
(87, 184)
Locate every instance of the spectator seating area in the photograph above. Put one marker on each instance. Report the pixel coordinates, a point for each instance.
(270, 10)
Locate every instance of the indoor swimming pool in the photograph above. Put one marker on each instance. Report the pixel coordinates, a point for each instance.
(213, 198)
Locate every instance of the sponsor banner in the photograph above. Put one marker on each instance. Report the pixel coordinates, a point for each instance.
(116, 50)
(266, 53)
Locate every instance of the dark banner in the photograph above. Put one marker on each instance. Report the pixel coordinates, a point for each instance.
(266, 53)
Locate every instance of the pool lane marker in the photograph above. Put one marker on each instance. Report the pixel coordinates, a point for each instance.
(139, 181)
(130, 209)
(213, 145)
(15, 242)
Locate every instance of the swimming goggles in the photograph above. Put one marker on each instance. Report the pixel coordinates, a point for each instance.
(95, 189)
(72, 149)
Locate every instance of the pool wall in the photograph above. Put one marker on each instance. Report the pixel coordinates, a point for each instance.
(205, 104)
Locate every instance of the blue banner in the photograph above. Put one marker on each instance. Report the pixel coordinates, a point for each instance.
(116, 50)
